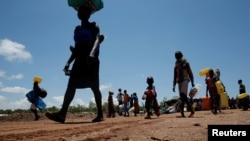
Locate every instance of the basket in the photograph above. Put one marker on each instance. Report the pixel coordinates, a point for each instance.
(95, 5)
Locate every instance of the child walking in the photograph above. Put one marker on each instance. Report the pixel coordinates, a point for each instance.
(151, 101)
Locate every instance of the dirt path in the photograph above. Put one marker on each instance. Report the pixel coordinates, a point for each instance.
(167, 127)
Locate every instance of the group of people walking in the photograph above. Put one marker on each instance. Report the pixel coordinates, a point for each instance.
(84, 73)
(125, 102)
(182, 76)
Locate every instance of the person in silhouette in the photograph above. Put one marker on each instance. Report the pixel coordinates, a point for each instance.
(151, 98)
(244, 102)
(85, 69)
(182, 76)
(212, 90)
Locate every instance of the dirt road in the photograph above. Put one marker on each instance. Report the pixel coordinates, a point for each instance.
(167, 127)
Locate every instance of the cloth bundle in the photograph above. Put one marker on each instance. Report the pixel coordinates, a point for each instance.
(95, 5)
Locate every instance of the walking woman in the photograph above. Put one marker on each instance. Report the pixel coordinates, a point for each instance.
(85, 69)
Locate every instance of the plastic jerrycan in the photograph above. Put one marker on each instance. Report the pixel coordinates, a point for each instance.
(220, 87)
(204, 71)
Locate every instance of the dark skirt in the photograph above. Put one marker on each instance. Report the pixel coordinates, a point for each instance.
(84, 74)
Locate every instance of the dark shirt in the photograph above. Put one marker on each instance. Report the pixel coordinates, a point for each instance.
(242, 88)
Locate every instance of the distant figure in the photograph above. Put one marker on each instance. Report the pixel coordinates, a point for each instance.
(126, 99)
(135, 102)
(34, 98)
(85, 69)
(119, 97)
(217, 74)
(244, 102)
(111, 109)
(131, 101)
(151, 98)
(120, 101)
(232, 103)
(182, 75)
(212, 89)
(242, 88)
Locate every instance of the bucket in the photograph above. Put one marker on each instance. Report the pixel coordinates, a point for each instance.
(95, 5)
(204, 71)
(37, 79)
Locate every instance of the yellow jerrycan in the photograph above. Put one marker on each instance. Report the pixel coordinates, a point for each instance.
(242, 95)
(220, 87)
(204, 71)
(224, 100)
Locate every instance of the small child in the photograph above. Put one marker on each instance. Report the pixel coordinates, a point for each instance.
(72, 49)
(151, 101)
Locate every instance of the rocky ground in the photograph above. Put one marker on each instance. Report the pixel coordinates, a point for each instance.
(167, 127)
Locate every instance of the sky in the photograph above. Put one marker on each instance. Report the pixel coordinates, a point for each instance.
(141, 38)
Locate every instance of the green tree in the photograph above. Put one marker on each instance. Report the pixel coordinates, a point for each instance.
(20, 111)
(92, 106)
(8, 111)
(53, 109)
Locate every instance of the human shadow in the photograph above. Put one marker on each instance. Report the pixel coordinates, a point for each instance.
(79, 122)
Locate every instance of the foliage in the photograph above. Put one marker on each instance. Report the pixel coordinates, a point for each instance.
(72, 109)
(52, 109)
